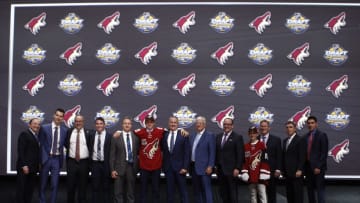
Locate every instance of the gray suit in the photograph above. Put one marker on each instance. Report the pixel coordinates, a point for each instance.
(126, 171)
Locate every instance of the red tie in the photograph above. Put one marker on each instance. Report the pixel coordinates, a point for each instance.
(310, 145)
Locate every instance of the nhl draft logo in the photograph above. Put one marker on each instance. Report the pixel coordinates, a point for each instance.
(297, 23)
(146, 23)
(30, 113)
(299, 54)
(337, 86)
(110, 116)
(108, 54)
(222, 115)
(186, 117)
(72, 53)
(222, 54)
(69, 116)
(72, 23)
(261, 22)
(36, 23)
(34, 84)
(184, 53)
(151, 111)
(299, 86)
(109, 22)
(34, 55)
(184, 22)
(260, 54)
(300, 117)
(185, 84)
(262, 85)
(261, 113)
(337, 119)
(222, 23)
(146, 85)
(145, 54)
(335, 23)
(70, 85)
(108, 85)
(336, 55)
(339, 151)
(222, 85)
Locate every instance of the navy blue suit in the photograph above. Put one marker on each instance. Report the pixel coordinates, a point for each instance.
(50, 162)
(204, 157)
(173, 162)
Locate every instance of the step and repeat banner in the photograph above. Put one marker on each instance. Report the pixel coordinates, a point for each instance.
(246, 61)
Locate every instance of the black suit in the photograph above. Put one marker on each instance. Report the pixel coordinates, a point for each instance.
(294, 160)
(28, 155)
(316, 159)
(230, 156)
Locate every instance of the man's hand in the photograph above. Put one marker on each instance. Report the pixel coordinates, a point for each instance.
(298, 173)
(116, 134)
(208, 170)
(183, 171)
(25, 169)
(277, 173)
(114, 174)
(236, 172)
(184, 133)
(317, 171)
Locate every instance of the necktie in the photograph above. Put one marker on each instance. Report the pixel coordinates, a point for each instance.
(196, 141)
(263, 139)
(223, 140)
(172, 144)
(55, 140)
(77, 147)
(287, 144)
(129, 151)
(98, 154)
(310, 140)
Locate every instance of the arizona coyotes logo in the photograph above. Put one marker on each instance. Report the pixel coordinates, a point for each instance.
(337, 86)
(222, 115)
(300, 117)
(339, 150)
(69, 116)
(72, 53)
(140, 118)
(146, 53)
(260, 22)
(185, 84)
(184, 22)
(108, 85)
(151, 148)
(256, 160)
(33, 85)
(109, 22)
(36, 23)
(262, 85)
(335, 23)
(222, 54)
(298, 54)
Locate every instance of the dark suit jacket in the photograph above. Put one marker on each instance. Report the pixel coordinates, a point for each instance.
(231, 155)
(294, 156)
(87, 138)
(118, 154)
(180, 158)
(205, 151)
(274, 151)
(28, 152)
(106, 149)
(319, 150)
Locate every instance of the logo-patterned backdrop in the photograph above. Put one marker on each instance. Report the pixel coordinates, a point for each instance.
(248, 62)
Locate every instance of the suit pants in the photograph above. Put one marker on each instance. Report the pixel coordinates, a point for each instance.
(155, 185)
(173, 178)
(202, 186)
(77, 178)
(100, 182)
(271, 189)
(52, 165)
(294, 189)
(228, 187)
(25, 186)
(124, 186)
(315, 185)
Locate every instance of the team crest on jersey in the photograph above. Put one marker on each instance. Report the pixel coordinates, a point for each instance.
(184, 85)
(108, 85)
(261, 113)
(109, 22)
(222, 85)
(299, 54)
(146, 23)
(336, 23)
(186, 116)
(299, 86)
(34, 55)
(260, 54)
(184, 53)
(261, 22)
(222, 54)
(336, 55)
(340, 150)
(262, 85)
(72, 23)
(30, 113)
(108, 54)
(337, 86)
(36, 23)
(184, 22)
(110, 115)
(34, 84)
(72, 53)
(297, 23)
(145, 85)
(337, 119)
(69, 116)
(222, 22)
(222, 115)
(145, 54)
(300, 117)
(149, 112)
(70, 85)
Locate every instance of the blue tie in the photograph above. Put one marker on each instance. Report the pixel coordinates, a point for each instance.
(172, 144)
(128, 145)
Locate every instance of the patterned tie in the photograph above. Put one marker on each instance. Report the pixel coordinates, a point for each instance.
(55, 140)
(310, 140)
(129, 151)
(223, 140)
(77, 147)
(98, 154)
(172, 144)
